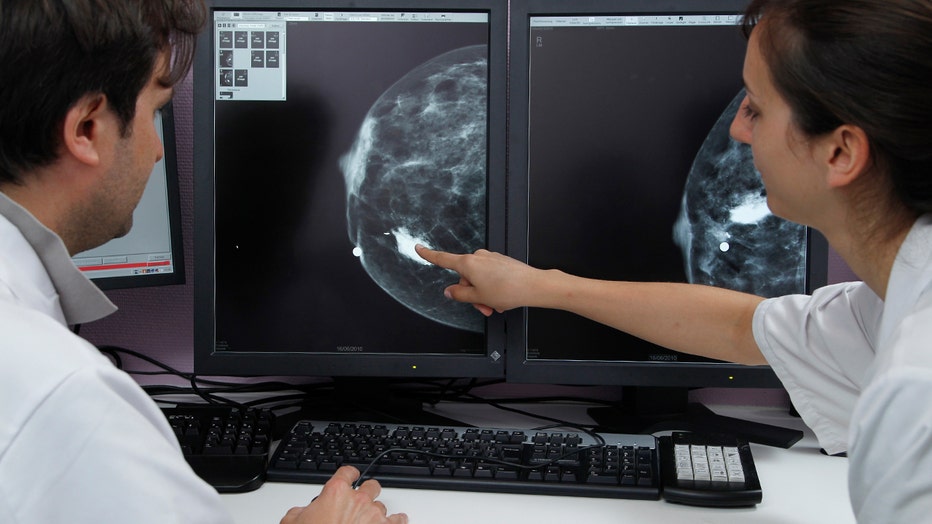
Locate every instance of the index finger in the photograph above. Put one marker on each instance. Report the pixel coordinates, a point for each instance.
(439, 258)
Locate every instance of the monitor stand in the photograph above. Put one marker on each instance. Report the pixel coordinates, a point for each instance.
(357, 399)
(655, 409)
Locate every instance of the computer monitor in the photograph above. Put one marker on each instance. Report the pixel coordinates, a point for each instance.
(151, 253)
(331, 136)
(622, 168)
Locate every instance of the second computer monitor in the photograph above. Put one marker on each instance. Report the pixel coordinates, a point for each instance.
(151, 253)
(622, 168)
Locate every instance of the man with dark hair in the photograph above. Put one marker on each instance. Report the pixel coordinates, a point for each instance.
(80, 441)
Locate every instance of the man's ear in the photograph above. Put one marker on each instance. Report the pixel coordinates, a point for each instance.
(84, 128)
(847, 155)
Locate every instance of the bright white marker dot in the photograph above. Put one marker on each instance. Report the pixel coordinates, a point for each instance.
(724, 247)
(357, 251)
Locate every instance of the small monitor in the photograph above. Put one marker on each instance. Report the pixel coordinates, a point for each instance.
(622, 168)
(151, 253)
(330, 138)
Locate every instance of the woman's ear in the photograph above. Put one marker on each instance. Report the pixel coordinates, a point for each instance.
(84, 128)
(847, 155)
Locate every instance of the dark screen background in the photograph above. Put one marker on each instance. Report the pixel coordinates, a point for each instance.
(286, 279)
(617, 116)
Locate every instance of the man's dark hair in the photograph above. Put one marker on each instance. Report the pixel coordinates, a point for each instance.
(55, 52)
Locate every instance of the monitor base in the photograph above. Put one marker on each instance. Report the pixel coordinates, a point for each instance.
(668, 410)
(369, 400)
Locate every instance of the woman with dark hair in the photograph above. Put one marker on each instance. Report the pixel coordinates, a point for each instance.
(839, 118)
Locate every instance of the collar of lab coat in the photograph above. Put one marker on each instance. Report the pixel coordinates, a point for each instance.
(37, 270)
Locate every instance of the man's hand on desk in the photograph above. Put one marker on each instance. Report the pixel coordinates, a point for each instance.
(339, 503)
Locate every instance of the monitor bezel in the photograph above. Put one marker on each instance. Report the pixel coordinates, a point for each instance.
(207, 360)
(600, 372)
(173, 193)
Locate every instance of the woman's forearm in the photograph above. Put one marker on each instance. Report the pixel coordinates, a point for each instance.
(695, 319)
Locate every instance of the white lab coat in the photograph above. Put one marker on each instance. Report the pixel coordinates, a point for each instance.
(80, 441)
(859, 371)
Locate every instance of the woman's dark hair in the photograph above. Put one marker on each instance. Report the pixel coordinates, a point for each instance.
(861, 62)
(54, 52)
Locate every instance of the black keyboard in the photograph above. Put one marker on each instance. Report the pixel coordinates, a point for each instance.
(226, 446)
(472, 459)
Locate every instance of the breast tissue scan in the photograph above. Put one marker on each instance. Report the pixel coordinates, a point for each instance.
(372, 149)
(417, 174)
(632, 173)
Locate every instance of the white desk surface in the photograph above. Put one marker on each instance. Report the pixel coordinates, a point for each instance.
(800, 485)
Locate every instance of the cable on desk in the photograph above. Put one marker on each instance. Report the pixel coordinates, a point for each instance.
(211, 396)
(430, 392)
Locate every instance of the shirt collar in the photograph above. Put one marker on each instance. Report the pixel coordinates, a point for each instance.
(81, 301)
(910, 277)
